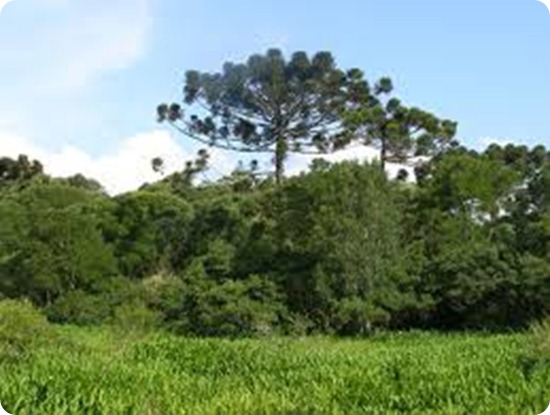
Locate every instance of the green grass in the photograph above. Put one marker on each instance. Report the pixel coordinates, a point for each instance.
(97, 372)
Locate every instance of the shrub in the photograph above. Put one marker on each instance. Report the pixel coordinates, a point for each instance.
(22, 328)
(164, 293)
(237, 308)
(296, 325)
(91, 308)
(135, 317)
(540, 333)
(80, 308)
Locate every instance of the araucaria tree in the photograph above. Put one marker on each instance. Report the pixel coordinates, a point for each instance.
(270, 104)
(400, 132)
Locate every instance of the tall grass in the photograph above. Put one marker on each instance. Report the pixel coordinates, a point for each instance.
(541, 340)
(98, 372)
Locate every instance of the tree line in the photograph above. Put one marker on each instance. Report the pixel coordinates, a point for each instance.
(340, 249)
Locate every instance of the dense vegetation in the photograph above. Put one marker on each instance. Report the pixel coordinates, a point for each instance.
(97, 371)
(264, 260)
(341, 249)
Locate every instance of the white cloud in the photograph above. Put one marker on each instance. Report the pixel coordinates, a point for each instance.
(128, 165)
(125, 168)
(3, 3)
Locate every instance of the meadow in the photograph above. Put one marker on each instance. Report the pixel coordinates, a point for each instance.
(102, 371)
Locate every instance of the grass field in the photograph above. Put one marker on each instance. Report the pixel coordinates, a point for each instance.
(102, 372)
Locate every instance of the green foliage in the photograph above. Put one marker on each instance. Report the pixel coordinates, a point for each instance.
(468, 284)
(480, 238)
(79, 181)
(22, 328)
(340, 248)
(51, 244)
(18, 172)
(415, 373)
(233, 308)
(400, 132)
(150, 232)
(80, 308)
(165, 294)
(467, 182)
(98, 305)
(536, 355)
(135, 317)
(540, 333)
(269, 104)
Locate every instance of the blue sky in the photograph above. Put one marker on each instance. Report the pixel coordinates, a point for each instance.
(80, 80)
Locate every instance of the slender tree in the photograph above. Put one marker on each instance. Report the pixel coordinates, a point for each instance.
(270, 104)
(398, 131)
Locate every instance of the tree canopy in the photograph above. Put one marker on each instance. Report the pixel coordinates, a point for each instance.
(339, 249)
(309, 105)
(400, 132)
(270, 104)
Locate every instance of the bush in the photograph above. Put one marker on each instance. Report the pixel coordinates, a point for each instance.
(540, 333)
(536, 353)
(296, 325)
(22, 329)
(92, 308)
(80, 308)
(135, 318)
(234, 308)
(164, 293)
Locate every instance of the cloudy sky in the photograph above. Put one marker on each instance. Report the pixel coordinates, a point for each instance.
(80, 79)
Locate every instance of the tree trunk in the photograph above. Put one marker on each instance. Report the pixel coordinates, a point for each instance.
(280, 154)
(383, 155)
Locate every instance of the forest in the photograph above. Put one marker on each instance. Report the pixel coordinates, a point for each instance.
(342, 289)
(339, 249)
